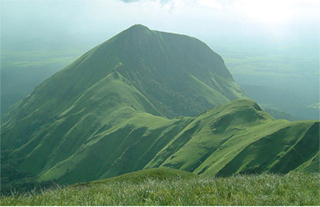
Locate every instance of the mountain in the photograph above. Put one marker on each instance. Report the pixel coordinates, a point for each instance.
(179, 75)
(131, 103)
(239, 138)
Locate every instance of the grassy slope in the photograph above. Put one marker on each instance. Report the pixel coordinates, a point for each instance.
(223, 141)
(165, 82)
(186, 78)
(90, 131)
(107, 93)
(100, 117)
(233, 138)
(173, 187)
(239, 138)
(142, 175)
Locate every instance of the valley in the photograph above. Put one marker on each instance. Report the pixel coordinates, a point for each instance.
(277, 75)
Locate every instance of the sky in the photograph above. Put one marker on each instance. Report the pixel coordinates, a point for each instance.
(293, 21)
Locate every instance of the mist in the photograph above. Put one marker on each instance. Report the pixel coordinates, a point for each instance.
(221, 23)
(266, 44)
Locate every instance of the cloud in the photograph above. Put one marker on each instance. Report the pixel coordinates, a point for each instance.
(168, 5)
(210, 3)
(159, 1)
(129, 1)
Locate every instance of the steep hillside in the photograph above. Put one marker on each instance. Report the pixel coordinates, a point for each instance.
(233, 138)
(110, 112)
(180, 75)
(128, 84)
(239, 138)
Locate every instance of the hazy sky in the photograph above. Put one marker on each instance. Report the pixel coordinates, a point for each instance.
(98, 20)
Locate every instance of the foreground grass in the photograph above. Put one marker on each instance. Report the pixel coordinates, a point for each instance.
(267, 189)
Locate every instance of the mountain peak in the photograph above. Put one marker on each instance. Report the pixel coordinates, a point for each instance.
(135, 34)
(124, 90)
(137, 29)
(139, 26)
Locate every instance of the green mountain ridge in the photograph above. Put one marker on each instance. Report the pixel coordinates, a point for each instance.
(112, 112)
(237, 138)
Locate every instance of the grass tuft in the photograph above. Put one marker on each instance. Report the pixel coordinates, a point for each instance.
(267, 189)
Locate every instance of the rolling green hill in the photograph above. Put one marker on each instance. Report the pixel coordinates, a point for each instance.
(239, 138)
(117, 109)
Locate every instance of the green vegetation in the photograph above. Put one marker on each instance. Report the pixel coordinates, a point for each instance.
(180, 188)
(14, 180)
(110, 112)
(231, 139)
(159, 174)
(239, 138)
(124, 88)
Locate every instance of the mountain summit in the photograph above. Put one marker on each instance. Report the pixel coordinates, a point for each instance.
(112, 111)
(179, 75)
